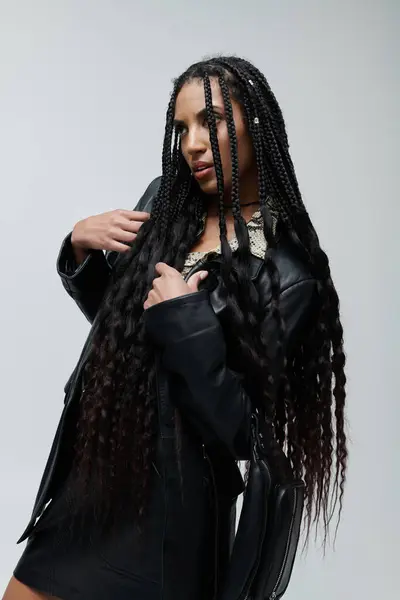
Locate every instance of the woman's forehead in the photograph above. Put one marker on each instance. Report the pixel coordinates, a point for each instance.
(191, 101)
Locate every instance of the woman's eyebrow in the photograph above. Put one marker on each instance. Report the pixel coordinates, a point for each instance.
(200, 115)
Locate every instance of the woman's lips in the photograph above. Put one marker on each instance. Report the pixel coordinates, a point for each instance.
(204, 173)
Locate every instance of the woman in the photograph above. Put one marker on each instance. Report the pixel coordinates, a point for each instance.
(223, 304)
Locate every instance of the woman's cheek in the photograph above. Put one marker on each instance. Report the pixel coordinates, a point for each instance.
(227, 167)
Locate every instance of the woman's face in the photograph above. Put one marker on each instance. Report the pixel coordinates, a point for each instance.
(191, 122)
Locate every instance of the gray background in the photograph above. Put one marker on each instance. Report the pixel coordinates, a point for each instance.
(83, 91)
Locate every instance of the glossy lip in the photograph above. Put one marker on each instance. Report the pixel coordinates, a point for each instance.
(200, 165)
(204, 173)
(207, 169)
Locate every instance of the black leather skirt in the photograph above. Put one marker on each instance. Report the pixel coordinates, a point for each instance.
(60, 561)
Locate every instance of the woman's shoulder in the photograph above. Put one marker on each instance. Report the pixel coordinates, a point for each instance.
(291, 262)
(298, 291)
(146, 201)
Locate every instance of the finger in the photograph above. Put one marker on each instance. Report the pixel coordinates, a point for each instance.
(121, 235)
(130, 226)
(194, 280)
(115, 246)
(146, 303)
(151, 299)
(135, 215)
(126, 224)
(164, 269)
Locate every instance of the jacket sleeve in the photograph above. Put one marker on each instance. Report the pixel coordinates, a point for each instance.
(192, 344)
(86, 283)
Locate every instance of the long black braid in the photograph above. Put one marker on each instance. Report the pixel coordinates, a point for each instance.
(316, 464)
(304, 409)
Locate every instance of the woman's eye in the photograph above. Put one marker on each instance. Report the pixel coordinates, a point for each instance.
(180, 129)
(217, 118)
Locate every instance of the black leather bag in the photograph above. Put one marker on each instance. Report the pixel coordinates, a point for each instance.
(267, 537)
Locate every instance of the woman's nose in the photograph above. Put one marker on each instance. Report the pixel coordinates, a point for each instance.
(196, 142)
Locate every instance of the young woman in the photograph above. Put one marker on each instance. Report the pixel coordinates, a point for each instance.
(213, 299)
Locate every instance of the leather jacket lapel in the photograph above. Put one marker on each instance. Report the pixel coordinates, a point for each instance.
(214, 284)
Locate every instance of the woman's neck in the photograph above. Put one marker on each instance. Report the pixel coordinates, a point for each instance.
(248, 198)
(247, 211)
(248, 207)
(210, 239)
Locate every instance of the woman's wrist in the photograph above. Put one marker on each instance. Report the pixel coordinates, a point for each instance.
(80, 253)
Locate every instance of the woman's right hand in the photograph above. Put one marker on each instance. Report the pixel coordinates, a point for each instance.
(113, 230)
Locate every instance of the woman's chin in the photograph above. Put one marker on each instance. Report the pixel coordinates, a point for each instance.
(209, 187)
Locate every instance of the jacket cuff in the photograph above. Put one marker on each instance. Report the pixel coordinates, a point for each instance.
(173, 320)
(70, 271)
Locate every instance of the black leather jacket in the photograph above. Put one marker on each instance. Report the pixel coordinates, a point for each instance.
(192, 375)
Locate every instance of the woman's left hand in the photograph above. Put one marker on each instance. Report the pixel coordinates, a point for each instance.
(170, 284)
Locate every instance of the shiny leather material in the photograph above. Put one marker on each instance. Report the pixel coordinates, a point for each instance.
(247, 548)
(280, 542)
(192, 375)
(268, 533)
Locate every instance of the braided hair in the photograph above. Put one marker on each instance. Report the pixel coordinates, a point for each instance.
(304, 409)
